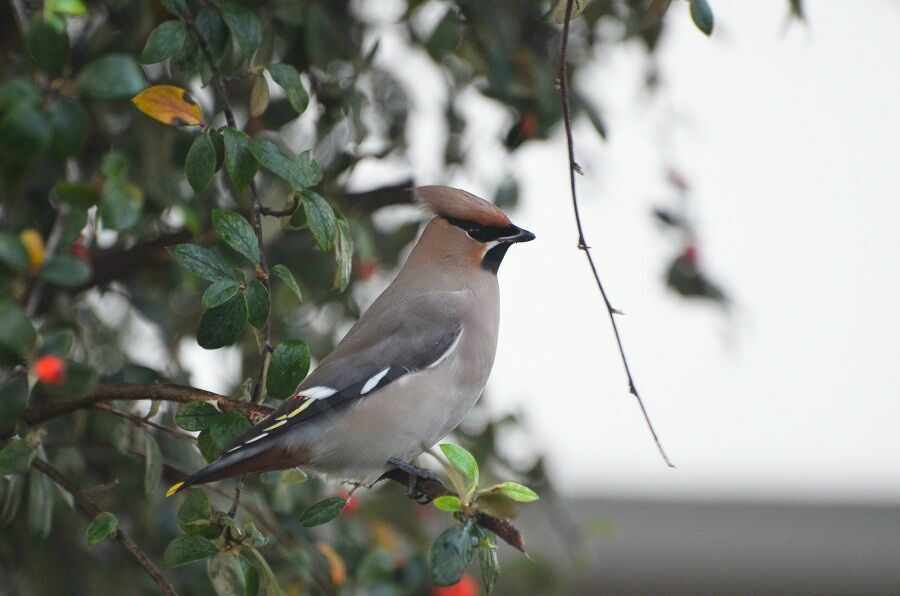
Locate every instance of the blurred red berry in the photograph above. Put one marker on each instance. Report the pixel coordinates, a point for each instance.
(677, 180)
(691, 253)
(352, 503)
(366, 270)
(78, 249)
(50, 370)
(466, 586)
(529, 125)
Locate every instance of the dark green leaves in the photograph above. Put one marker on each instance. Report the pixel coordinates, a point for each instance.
(187, 549)
(25, 132)
(153, 464)
(219, 293)
(309, 168)
(16, 458)
(200, 163)
(202, 262)
(320, 219)
(289, 365)
(12, 252)
(257, 297)
(13, 402)
(121, 202)
(67, 271)
(47, 46)
(270, 157)
(112, 76)
(17, 334)
(222, 326)
(489, 561)
(237, 233)
(196, 415)
(195, 516)
(69, 122)
(284, 275)
(227, 575)
(322, 512)
(462, 460)
(164, 42)
(228, 426)
(246, 30)
(288, 79)
(103, 525)
(343, 255)
(450, 554)
(702, 16)
(239, 161)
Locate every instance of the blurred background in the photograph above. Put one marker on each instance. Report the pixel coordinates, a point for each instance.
(739, 194)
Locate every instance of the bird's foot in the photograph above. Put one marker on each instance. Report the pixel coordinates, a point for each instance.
(415, 475)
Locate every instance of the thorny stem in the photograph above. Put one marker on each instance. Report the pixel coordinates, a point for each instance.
(93, 510)
(255, 220)
(563, 81)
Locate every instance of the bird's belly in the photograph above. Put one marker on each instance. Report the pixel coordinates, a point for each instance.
(401, 420)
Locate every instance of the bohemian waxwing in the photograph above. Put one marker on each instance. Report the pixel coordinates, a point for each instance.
(408, 371)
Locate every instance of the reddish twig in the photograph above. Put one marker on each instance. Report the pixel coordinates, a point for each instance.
(563, 80)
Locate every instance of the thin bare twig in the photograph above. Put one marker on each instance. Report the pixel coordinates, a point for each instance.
(93, 510)
(144, 423)
(563, 81)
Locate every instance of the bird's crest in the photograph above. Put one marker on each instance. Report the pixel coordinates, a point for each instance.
(459, 204)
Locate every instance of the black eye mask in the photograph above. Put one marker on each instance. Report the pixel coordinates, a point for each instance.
(482, 233)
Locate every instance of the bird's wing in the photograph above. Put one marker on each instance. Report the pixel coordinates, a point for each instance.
(413, 335)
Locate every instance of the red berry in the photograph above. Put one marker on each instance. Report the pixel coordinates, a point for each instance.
(466, 586)
(691, 253)
(352, 503)
(367, 269)
(50, 370)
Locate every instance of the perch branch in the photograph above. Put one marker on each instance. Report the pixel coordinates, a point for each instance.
(93, 510)
(563, 82)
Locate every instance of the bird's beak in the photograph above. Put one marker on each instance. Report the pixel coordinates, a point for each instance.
(517, 234)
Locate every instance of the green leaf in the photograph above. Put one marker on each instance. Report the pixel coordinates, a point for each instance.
(271, 158)
(208, 448)
(69, 122)
(254, 537)
(309, 168)
(25, 132)
(259, 96)
(223, 325)
(153, 464)
(13, 402)
(195, 510)
(288, 79)
(246, 30)
(58, 343)
(257, 297)
(164, 42)
(196, 415)
(105, 524)
(80, 196)
(322, 512)
(237, 233)
(702, 15)
(67, 271)
(200, 163)
(17, 334)
(187, 549)
(462, 460)
(490, 563)
(41, 497)
(80, 379)
(227, 427)
(293, 476)
(320, 219)
(16, 458)
(202, 262)
(343, 256)
(289, 365)
(239, 161)
(654, 13)
(121, 204)
(47, 47)
(12, 252)
(284, 275)
(447, 503)
(227, 574)
(449, 556)
(175, 7)
(112, 76)
(514, 491)
(70, 7)
(219, 293)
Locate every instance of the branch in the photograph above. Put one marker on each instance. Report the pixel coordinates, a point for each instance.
(433, 489)
(93, 510)
(563, 81)
(137, 392)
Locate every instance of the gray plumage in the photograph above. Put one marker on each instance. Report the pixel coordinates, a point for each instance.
(409, 370)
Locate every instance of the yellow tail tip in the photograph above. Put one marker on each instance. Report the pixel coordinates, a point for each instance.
(174, 489)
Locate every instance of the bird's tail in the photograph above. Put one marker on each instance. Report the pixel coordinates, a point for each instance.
(251, 458)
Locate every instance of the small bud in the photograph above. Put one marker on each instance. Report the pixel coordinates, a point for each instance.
(50, 370)
(34, 246)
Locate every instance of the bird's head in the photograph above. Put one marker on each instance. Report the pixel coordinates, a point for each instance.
(469, 224)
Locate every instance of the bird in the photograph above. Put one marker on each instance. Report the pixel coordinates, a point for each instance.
(407, 372)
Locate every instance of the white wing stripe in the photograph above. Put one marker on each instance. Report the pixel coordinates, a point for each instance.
(318, 392)
(449, 351)
(373, 381)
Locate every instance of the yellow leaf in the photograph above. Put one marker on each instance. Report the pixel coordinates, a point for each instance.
(169, 104)
(34, 246)
(336, 568)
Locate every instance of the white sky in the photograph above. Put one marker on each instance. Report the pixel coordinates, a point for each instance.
(789, 138)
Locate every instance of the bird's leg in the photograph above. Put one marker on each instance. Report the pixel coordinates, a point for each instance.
(415, 475)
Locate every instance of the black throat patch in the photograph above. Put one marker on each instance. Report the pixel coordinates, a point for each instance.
(493, 257)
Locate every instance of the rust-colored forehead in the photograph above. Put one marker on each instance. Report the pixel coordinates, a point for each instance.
(459, 204)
